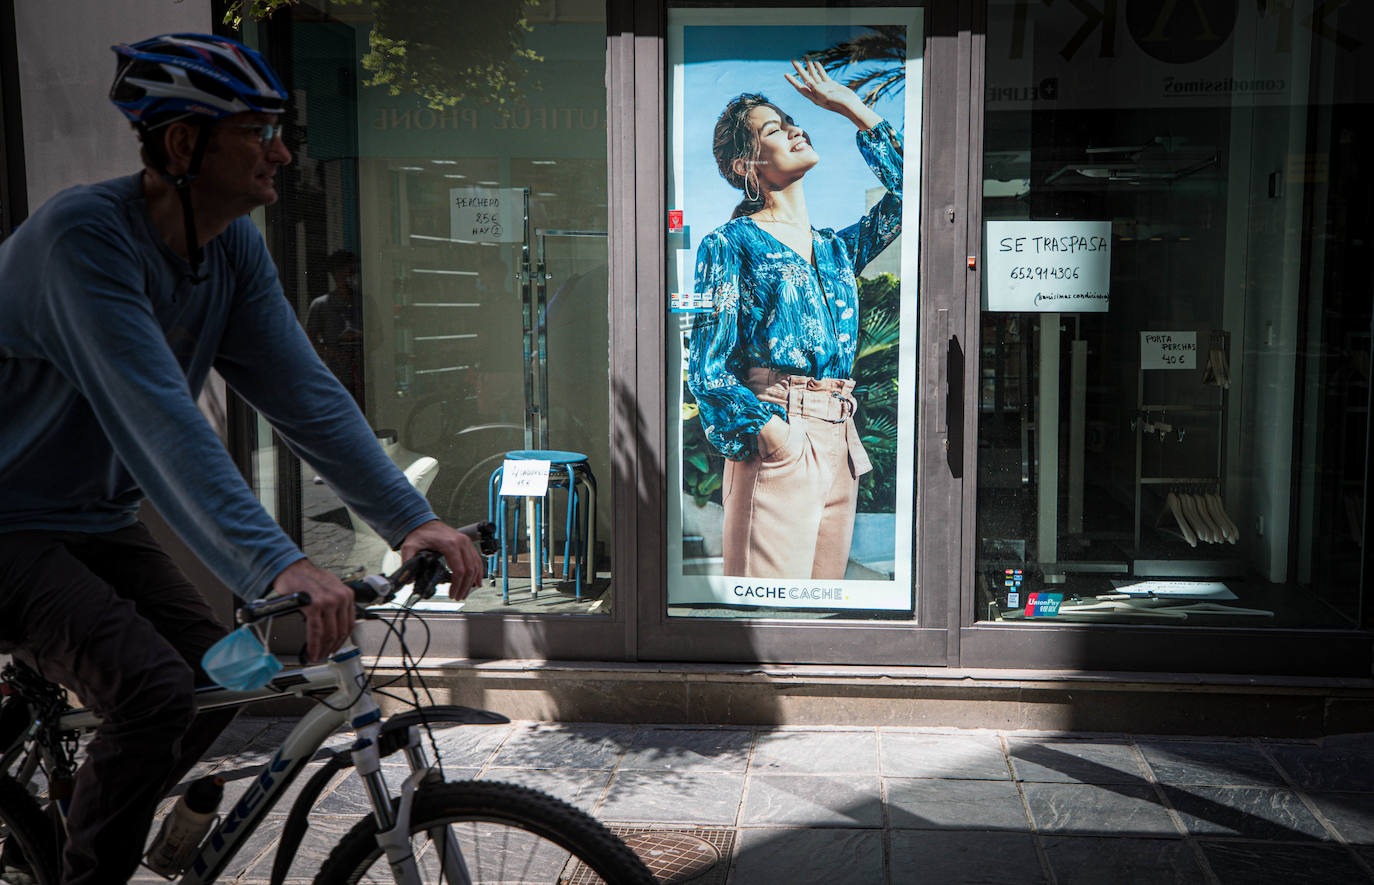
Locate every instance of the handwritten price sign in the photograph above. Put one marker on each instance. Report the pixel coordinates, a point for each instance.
(487, 214)
(1168, 350)
(524, 479)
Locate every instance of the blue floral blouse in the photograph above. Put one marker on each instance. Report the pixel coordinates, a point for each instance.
(772, 309)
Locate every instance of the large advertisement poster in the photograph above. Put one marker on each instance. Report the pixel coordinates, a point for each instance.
(793, 186)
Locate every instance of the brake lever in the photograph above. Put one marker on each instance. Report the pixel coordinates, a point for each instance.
(425, 572)
(429, 573)
(482, 534)
(411, 570)
(426, 586)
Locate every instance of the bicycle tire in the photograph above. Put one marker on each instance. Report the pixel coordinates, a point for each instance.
(24, 827)
(487, 815)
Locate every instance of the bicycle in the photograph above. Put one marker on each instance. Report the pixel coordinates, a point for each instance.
(430, 830)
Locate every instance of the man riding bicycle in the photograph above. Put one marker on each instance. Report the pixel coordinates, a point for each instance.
(116, 300)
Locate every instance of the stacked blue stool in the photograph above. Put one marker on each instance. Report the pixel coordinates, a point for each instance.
(567, 470)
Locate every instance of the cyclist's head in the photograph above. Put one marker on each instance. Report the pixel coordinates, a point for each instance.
(194, 77)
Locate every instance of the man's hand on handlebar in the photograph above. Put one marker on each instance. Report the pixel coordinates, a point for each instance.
(331, 612)
(329, 616)
(457, 549)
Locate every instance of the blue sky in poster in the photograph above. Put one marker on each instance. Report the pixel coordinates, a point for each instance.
(723, 61)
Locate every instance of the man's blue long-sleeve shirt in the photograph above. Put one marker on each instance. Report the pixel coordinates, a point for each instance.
(104, 347)
(773, 309)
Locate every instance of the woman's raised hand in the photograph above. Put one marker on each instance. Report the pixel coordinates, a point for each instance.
(812, 81)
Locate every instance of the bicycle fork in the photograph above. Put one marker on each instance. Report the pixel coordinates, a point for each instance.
(393, 824)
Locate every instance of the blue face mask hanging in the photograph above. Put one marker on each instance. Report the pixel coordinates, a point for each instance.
(240, 661)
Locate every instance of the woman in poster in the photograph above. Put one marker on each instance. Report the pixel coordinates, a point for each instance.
(770, 366)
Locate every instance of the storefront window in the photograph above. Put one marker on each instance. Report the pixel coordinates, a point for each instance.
(444, 239)
(1175, 350)
(792, 314)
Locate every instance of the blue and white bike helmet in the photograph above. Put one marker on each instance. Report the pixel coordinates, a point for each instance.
(179, 75)
(174, 77)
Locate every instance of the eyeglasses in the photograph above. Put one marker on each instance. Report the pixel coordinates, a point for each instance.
(266, 131)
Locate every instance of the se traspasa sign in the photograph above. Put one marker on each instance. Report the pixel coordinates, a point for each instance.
(1047, 266)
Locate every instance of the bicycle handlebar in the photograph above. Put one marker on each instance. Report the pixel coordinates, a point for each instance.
(425, 571)
(271, 607)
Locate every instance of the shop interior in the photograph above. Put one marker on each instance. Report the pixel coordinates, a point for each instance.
(1222, 484)
(475, 303)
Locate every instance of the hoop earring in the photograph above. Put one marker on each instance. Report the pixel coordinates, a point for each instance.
(758, 193)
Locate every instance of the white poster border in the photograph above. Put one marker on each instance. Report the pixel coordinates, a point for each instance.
(899, 593)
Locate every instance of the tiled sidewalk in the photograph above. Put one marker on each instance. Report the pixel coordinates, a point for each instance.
(891, 805)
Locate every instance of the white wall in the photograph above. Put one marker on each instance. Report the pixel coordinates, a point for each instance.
(72, 134)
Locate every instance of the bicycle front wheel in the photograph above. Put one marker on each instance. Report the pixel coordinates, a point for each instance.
(28, 843)
(506, 834)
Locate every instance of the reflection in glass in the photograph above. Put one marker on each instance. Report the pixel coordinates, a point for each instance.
(1185, 442)
(429, 266)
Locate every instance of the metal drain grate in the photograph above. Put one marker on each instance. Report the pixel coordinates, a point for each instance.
(699, 855)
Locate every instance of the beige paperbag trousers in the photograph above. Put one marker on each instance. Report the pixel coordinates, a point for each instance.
(791, 515)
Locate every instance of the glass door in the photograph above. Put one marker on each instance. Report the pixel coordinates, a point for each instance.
(443, 235)
(1174, 361)
(793, 316)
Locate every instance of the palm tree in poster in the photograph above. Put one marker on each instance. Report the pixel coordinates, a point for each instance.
(882, 48)
(874, 66)
(875, 388)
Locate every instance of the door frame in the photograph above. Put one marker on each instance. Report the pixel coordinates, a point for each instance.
(942, 281)
(13, 186)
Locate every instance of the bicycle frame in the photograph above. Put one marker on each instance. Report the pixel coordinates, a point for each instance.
(39, 737)
(349, 702)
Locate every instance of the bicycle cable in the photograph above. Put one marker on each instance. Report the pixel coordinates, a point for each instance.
(410, 671)
(362, 687)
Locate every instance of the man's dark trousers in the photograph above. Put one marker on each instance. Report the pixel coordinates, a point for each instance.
(110, 616)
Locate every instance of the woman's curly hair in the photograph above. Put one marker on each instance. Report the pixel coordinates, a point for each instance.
(734, 139)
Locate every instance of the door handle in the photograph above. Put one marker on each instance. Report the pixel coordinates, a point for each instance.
(952, 404)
